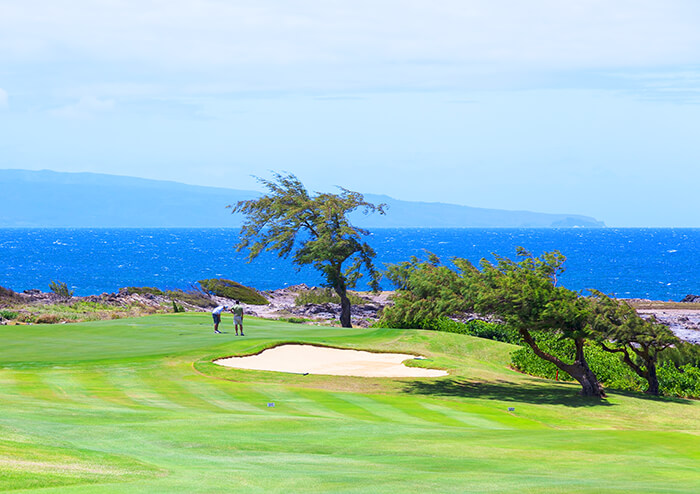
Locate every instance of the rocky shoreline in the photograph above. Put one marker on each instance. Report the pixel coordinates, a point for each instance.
(682, 317)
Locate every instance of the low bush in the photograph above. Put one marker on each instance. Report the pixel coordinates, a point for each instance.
(191, 297)
(142, 290)
(48, 319)
(8, 314)
(319, 296)
(683, 381)
(481, 329)
(296, 320)
(230, 289)
(61, 289)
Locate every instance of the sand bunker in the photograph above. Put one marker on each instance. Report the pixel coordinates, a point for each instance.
(307, 359)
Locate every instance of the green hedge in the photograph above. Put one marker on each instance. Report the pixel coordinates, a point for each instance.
(230, 289)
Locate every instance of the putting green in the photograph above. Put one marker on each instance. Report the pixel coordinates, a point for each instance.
(137, 406)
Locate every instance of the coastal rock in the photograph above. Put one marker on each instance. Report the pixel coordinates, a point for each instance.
(692, 299)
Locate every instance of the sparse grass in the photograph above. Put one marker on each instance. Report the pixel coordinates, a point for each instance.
(137, 406)
(658, 304)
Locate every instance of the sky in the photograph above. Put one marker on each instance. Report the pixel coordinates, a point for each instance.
(585, 107)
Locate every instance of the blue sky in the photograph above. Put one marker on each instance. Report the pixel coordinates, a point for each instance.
(589, 107)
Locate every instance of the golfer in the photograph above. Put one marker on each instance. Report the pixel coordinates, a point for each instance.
(237, 316)
(216, 314)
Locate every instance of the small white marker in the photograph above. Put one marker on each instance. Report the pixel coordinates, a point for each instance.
(511, 409)
(270, 405)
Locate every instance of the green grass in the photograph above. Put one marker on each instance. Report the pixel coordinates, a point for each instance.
(135, 405)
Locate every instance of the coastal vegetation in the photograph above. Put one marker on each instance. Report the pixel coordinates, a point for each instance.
(313, 230)
(61, 289)
(137, 405)
(222, 287)
(560, 330)
(316, 295)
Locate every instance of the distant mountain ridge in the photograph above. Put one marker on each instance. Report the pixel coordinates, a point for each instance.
(46, 199)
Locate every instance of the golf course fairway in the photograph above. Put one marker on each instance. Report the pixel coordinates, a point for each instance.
(136, 405)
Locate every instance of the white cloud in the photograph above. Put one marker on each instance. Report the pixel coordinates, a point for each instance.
(3, 98)
(86, 107)
(350, 43)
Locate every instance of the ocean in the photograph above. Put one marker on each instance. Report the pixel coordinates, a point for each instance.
(661, 264)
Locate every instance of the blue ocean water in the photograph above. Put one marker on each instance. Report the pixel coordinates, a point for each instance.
(661, 264)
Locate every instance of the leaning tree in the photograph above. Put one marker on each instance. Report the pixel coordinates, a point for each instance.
(525, 296)
(312, 229)
(620, 329)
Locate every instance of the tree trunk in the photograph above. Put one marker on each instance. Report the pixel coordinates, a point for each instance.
(579, 370)
(652, 379)
(344, 309)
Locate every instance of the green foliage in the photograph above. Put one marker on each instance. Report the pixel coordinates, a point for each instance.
(426, 291)
(142, 290)
(295, 320)
(60, 289)
(681, 381)
(177, 307)
(325, 296)
(608, 367)
(314, 230)
(681, 354)
(480, 329)
(192, 297)
(618, 328)
(230, 289)
(8, 314)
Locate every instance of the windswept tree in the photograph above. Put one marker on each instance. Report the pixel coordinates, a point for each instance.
(426, 291)
(620, 329)
(525, 296)
(312, 229)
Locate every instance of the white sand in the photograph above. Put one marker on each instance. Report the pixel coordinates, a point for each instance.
(302, 359)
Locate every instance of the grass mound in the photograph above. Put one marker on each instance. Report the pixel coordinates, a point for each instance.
(230, 289)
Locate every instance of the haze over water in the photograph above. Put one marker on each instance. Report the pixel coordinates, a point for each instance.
(662, 264)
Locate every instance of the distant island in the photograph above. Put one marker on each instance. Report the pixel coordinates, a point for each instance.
(49, 199)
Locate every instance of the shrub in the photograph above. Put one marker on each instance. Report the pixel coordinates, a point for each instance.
(681, 381)
(296, 320)
(47, 319)
(318, 296)
(141, 290)
(481, 329)
(61, 289)
(177, 307)
(8, 314)
(230, 289)
(191, 297)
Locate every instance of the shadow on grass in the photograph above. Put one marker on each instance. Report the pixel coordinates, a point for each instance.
(505, 391)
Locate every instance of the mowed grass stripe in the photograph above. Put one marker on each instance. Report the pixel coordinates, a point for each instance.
(169, 385)
(350, 409)
(466, 419)
(375, 405)
(100, 384)
(69, 383)
(303, 403)
(130, 382)
(30, 384)
(212, 393)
